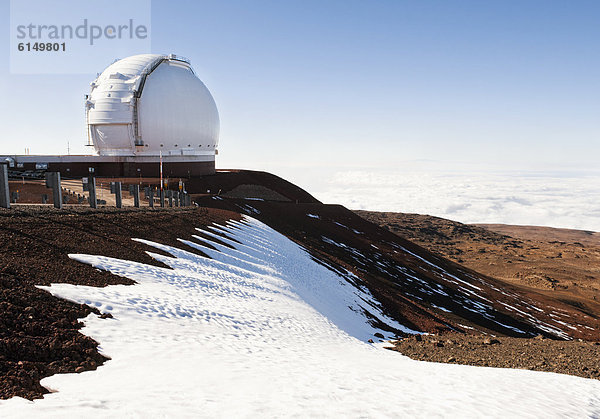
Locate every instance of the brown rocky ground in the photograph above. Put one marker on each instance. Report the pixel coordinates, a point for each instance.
(561, 263)
(39, 333)
(575, 357)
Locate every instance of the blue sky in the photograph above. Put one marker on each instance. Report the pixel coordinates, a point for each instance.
(363, 82)
(317, 85)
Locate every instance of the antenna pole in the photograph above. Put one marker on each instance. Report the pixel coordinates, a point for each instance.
(161, 171)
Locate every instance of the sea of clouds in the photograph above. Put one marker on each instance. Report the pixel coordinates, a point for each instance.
(555, 198)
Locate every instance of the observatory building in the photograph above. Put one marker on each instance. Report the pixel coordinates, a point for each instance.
(142, 110)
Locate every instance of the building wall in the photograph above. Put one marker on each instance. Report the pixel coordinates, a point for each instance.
(123, 169)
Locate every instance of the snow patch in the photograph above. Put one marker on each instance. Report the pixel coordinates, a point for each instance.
(262, 330)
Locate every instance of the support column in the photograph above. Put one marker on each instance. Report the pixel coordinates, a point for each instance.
(136, 196)
(53, 181)
(4, 191)
(92, 190)
(118, 196)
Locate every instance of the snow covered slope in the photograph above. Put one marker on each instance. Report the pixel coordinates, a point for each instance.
(263, 330)
(418, 288)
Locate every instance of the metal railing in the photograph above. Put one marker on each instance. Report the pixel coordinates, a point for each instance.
(154, 196)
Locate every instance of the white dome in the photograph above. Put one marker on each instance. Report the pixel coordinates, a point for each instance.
(147, 104)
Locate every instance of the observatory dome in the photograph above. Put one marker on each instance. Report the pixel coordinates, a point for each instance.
(148, 104)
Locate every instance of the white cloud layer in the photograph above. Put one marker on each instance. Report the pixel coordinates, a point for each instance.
(566, 199)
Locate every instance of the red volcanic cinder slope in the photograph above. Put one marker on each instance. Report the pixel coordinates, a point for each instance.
(419, 289)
